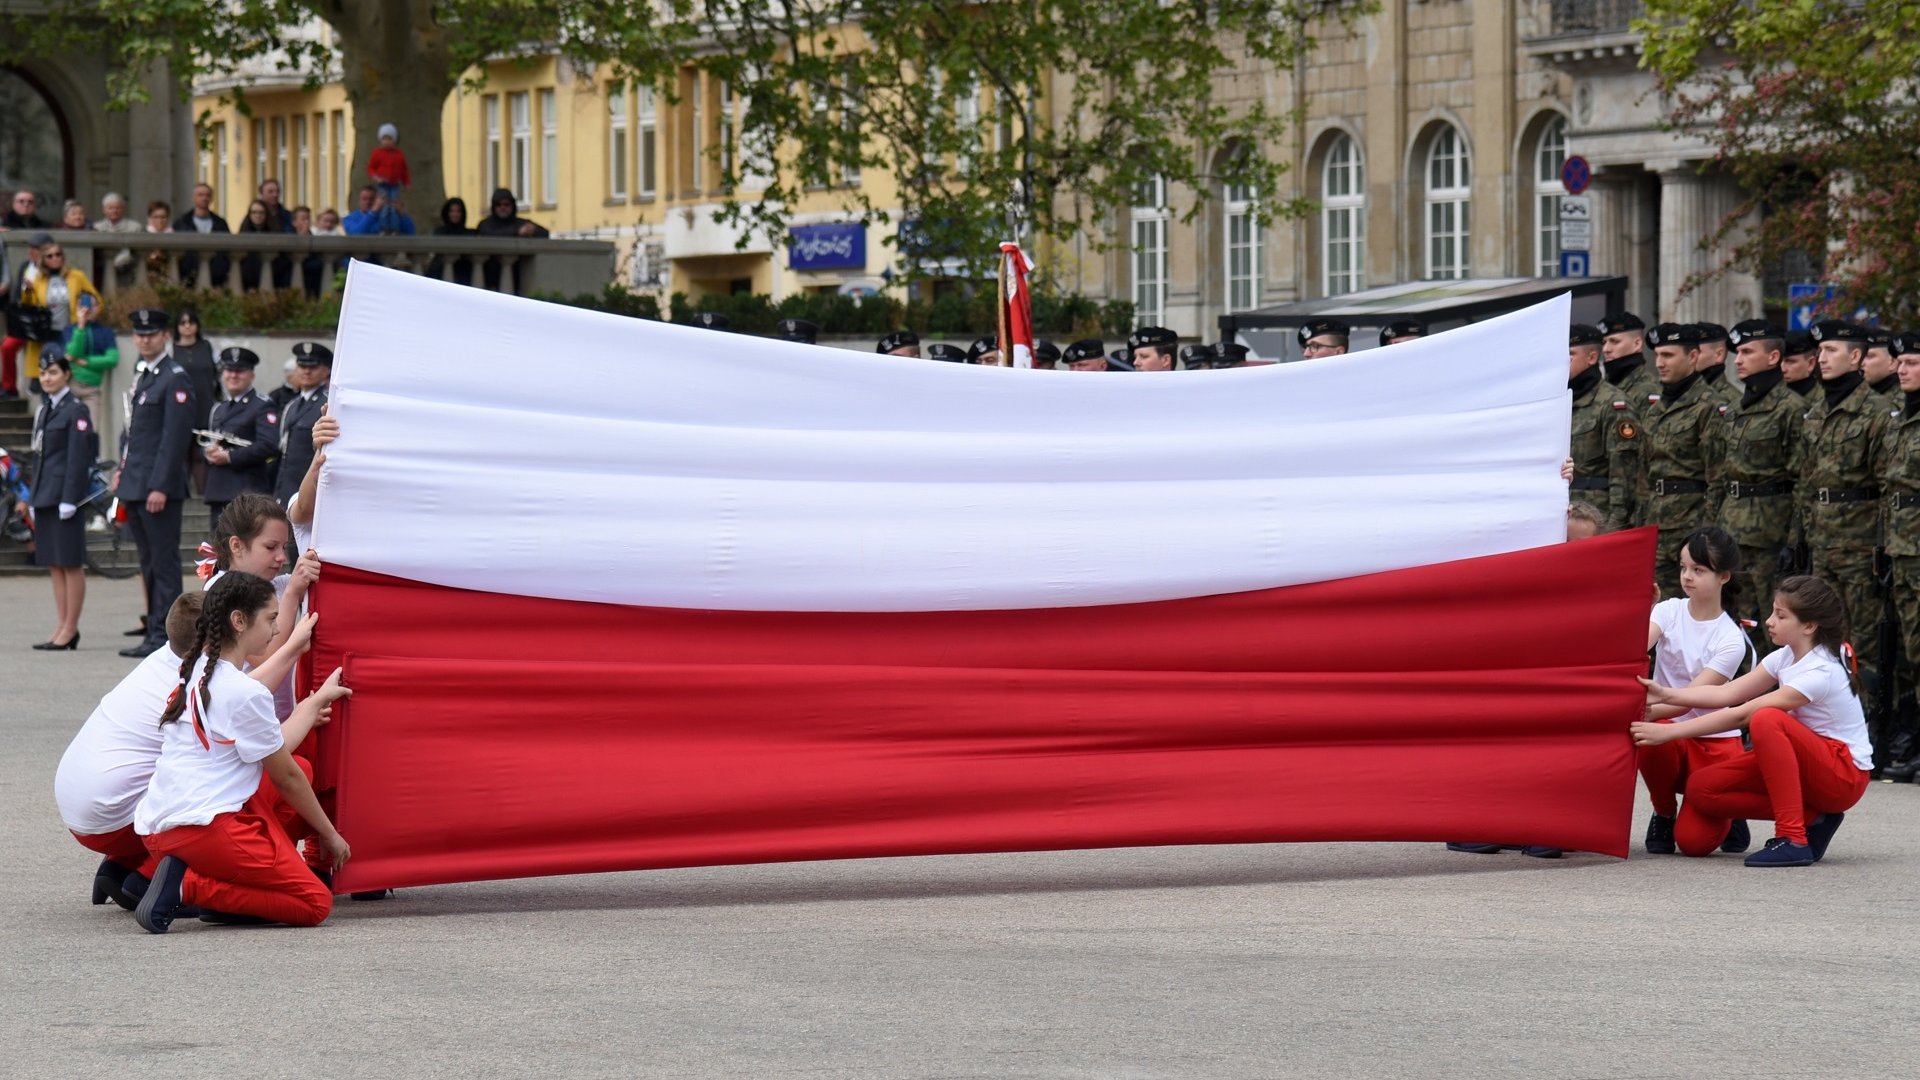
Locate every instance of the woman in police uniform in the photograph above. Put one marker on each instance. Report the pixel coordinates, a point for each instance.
(65, 446)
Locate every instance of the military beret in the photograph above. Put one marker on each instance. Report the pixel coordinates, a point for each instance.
(1905, 343)
(1711, 332)
(953, 354)
(1324, 326)
(980, 348)
(1197, 356)
(1879, 339)
(899, 339)
(308, 353)
(1753, 330)
(1582, 334)
(800, 330)
(1230, 354)
(1620, 321)
(52, 354)
(1668, 333)
(711, 320)
(1152, 337)
(1799, 342)
(150, 320)
(1120, 360)
(1046, 353)
(1400, 328)
(1084, 349)
(1836, 330)
(233, 358)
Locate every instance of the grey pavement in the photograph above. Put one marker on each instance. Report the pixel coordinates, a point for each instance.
(1333, 960)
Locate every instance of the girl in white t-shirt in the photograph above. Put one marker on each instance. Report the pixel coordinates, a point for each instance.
(219, 830)
(251, 537)
(1696, 642)
(1811, 756)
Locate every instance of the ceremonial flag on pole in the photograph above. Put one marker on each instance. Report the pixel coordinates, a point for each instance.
(1016, 305)
(717, 599)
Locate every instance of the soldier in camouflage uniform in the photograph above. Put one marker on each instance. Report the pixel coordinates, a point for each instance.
(1713, 363)
(1623, 351)
(1877, 366)
(1681, 451)
(1762, 439)
(1798, 364)
(1900, 502)
(1837, 491)
(1606, 429)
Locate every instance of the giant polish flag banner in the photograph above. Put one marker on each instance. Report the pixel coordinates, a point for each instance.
(613, 594)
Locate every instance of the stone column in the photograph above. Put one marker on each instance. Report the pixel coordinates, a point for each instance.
(1614, 210)
(1686, 217)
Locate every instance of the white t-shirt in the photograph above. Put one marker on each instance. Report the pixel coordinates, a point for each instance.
(1688, 647)
(195, 782)
(1832, 708)
(106, 767)
(283, 694)
(302, 534)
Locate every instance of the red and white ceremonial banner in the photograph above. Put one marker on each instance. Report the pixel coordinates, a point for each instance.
(1017, 299)
(616, 594)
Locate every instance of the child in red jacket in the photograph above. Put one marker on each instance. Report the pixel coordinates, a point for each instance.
(387, 165)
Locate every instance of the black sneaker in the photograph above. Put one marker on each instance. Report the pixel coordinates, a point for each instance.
(1739, 838)
(228, 918)
(1820, 833)
(162, 900)
(1781, 851)
(106, 881)
(371, 894)
(1535, 851)
(1478, 849)
(1660, 835)
(1902, 772)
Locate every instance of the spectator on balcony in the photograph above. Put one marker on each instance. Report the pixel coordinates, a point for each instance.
(92, 350)
(329, 223)
(61, 290)
(453, 222)
(260, 221)
(365, 221)
(311, 266)
(20, 213)
(13, 290)
(159, 220)
(387, 165)
(207, 223)
(503, 219)
(114, 219)
(281, 219)
(73, 215)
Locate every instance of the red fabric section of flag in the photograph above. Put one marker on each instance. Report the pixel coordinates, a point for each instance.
(1019, 303)
(494, 736)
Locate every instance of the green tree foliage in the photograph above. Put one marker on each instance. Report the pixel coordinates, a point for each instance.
(1812, 106)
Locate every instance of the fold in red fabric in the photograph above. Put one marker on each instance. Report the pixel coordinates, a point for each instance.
(493, 736)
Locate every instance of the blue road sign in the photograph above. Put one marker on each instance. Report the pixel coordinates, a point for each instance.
(1576, 264)
(1801, 299)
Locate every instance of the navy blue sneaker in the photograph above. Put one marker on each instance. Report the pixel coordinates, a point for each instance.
(1781, 851)
(106, 881)
(228, 918)
(1739, 838)
(1479, 849)
(162, 899)
(132, 888)
(1535, 851)
(372, 894)
(1820, 833)
(1660, 835)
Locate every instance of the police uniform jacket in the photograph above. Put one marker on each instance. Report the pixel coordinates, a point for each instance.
(1838, 487)
(1605, 451)
(252, 417)
(1761, 441)
(1681, 454)
(159, 432)
(66, 446)
(296, 442)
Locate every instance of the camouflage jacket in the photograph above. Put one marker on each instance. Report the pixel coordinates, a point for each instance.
(1900, 483)
(1605, 448)
(1841, 453)
(1760, 449)
(1684, 443)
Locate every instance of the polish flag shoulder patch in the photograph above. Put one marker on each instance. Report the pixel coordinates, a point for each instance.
(81, 424)
(273, 417)
(180, 396)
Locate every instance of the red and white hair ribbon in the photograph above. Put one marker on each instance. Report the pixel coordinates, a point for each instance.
(206, 565)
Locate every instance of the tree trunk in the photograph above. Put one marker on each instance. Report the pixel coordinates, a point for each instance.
(395, 65)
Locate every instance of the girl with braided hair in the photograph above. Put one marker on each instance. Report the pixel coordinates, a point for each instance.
(228, 799)
(1811, 756)
(251, 537)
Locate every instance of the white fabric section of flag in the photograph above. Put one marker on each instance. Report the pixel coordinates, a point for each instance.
(501, 444)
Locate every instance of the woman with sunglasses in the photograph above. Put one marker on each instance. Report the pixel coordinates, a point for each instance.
(59, 289)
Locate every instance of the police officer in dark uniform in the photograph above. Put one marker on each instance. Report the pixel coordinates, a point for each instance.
(952, 354)
(240, 462)
(1046, 354)
(1400, 330)
(899, 343)
(1085, 355)
(711, 320)
(1195, 357)
(65, 447)
(153, 468)
(803, 331)
(1324, 337)
(984, 350)
(296, 423)
(1152, 348)
(1230, 354)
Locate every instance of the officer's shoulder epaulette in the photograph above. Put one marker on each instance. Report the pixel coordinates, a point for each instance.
(174, 368)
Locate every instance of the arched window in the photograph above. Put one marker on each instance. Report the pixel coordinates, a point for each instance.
(1243, 247)
(1343, 218)
(1449, 189)
(1548, 157)
(1150, 251)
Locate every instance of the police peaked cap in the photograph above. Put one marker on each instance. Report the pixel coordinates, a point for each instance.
(899, 339)
(312, 352)
(1231, 352)
(1668, 333)
(1754, 330)
(1152, 337)
(1325, 326)
(1399, 328)
(1711, 332)
(800, 330)
(1046, 352)
(1120, 360)
(981, 347)
(234, 358)
(150, 320)
(1084, 349)
(1908, 342)
(711, 320)
(1621, 321)
(1583, 334)
(1835, 330)
(951, 353)
(1197, 356)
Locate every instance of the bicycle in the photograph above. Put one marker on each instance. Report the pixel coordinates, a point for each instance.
(103, 511)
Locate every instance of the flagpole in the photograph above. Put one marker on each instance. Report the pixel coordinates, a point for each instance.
(1005, 345)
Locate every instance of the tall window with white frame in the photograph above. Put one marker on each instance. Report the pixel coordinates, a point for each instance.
(852, 103)
(697, 116)
(1343, 218)
(649, 138)
(1150, 251)
(280, 170)
(616, 143)
(1547, 187)
(259, 155)
(303, 189)
(549, 149)
(1449, 191)
(490, 167)
(219, 181)
(724, 113)
(520, 148)
(342, 157)
(1243, 247)
(206, 163)
(321, 148)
